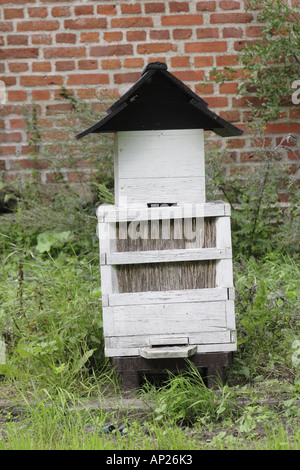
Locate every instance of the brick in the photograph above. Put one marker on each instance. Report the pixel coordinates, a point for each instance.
(2, 165)
(88, 79)
(232, 32)
(88, 64)
(282, 128)
(239, 45)
(176, 7)
(206, 6)
(7, 150)
(155, 7)
(229, 5)
(26, 163)
(41, 67)
(131, 22)
(41, 25)
(66, 38)
(84, 10)
(182, 33)
(37, 12)
(189, 75)
(215, 46)
(132, 77)
(133, 63)
(180, 61)
(106, 9)
(227, 60)
(207, 33)
(160, 34)
(113, 36)
(204, 89)
(6, 137)
(42, 38)
(41, 95)
(18, 67)
(10, 13)
(9, 81)
(54, 52)
(131, 8)
(254, 31)
(17, 123)
(17, 39)
(111, 64)
(16, 95)
(136, 35)
(149, 48)
(6, 26)
(230, 115)
(117, 49)
(229, 88)
(60, 11)
(33, 80)
(217, 101)
(89, 37)
(19, 53)
(63, 65)
(86, 23)
(236, 143)
(183, 20)
(204, 61)
(231, 18)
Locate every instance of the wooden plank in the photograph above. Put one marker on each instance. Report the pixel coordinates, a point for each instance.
(167, 352)
(165, 256)
(161, 190)
(138, 341)
(175, 154)
(175, 296)
(109, 213)
(164, 319)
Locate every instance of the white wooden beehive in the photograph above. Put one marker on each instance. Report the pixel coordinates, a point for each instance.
(160, 177)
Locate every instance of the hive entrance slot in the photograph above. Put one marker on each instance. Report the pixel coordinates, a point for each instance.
(161, 204)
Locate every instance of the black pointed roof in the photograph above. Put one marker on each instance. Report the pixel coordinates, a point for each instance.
(157, 101)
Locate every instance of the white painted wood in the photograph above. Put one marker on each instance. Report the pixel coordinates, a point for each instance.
(224, 273)
(175, 296)
(217, 347)
(163, 256)
(223, 233)
(167, 352)
(230, 314)
(167, 340)
(169, 153)
(109, 213)
(161, 190)
(159, 166)
(164, 319)
(224, 269)
(138, 341)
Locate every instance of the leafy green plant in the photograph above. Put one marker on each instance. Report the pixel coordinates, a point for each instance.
(267, 313)
(272, 63)
(185, 399)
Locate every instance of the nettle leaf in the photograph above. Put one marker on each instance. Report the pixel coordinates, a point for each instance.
(46, 240)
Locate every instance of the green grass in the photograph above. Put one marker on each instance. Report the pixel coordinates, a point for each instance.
(50, 318)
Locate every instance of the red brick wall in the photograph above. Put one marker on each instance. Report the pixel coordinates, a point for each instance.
(105, 45)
